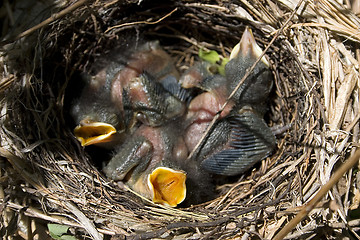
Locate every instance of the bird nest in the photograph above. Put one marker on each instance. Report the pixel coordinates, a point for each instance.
(47, 177)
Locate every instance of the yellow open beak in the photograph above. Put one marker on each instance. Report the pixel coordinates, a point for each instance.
(94, 132)
(167, 186)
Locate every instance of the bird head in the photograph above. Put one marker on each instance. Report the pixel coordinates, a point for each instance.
(248, 47)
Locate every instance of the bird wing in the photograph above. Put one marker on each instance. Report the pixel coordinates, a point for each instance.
(251, 141)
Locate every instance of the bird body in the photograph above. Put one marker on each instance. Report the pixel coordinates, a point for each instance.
(153, 167)
(240, 137)
(161, 122)
(108, 107)
(97, 118)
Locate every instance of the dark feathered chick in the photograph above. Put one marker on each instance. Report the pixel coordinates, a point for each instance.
(255, 90)
(194, 77)
(151, 103)
(149, 58)
(153, 162)
(120, 94)
(240, 137)
(148, 163)
(98, 119)
(140, 87)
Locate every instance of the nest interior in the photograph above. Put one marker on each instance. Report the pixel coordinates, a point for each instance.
(46, 176)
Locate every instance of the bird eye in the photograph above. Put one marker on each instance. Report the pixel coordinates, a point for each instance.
(213, 69)
(142, 118)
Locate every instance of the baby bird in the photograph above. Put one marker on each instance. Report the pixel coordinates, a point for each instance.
(120, 95)
(98, 119)
(143, 95)
(148, 58)
(150, 102)
(137, 88)
(153, 159)
(157, 166)
(255, 90)
(195, 76)
(147, 162)
(240, 137)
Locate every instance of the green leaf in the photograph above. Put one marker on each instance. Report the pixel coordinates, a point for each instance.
(67, 237)
(221, 68)
(58, 231)
(209, 56)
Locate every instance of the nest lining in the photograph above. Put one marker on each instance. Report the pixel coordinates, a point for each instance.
(316, 96)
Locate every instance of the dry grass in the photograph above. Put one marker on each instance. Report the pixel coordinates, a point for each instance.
(47, 177)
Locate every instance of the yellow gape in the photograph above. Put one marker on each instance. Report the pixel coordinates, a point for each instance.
(94, 132)
(167, 186)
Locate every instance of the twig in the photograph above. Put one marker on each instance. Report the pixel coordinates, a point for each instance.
(140, 22)
(352, 34)
(35, 213)
(323, 190)
(180, 225)
(353, 123)
(84, 221)
(20, 166)
(47, 21)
